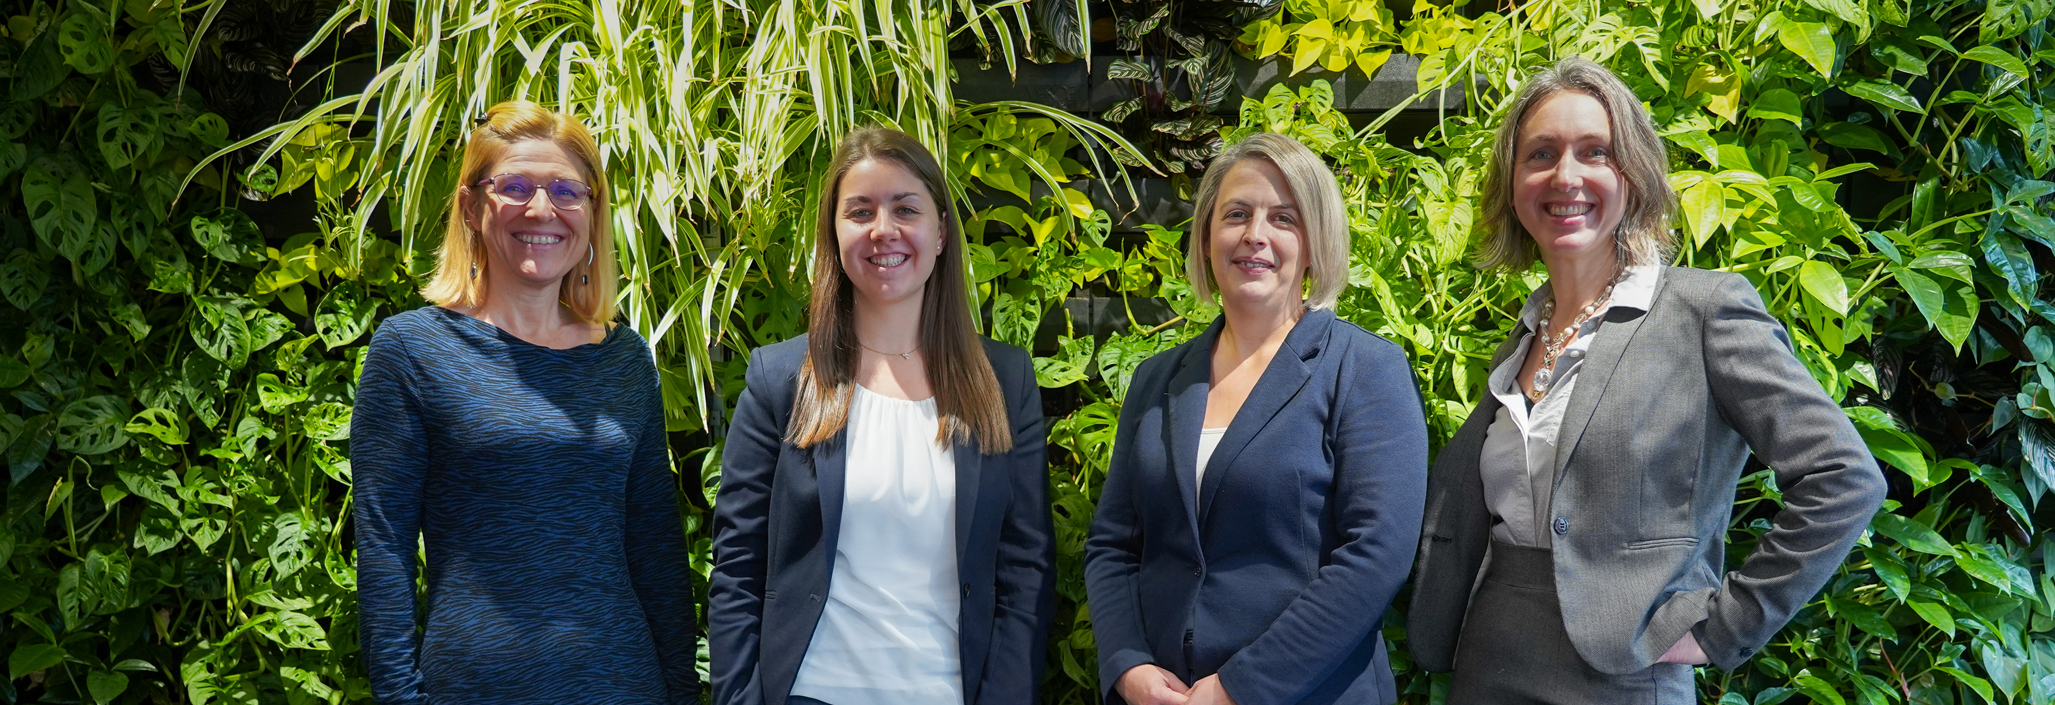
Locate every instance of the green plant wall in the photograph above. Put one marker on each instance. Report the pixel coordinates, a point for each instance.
(175, 386)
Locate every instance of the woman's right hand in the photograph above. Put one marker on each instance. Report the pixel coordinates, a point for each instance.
(1148, 684)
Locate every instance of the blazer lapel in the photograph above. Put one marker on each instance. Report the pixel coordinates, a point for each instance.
(969, 467)
(1281, 381)
(830, 473)
(1603, 357)
(1186, 404)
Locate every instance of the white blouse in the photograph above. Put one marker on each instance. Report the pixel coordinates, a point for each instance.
(888, 632)
(1209, 439)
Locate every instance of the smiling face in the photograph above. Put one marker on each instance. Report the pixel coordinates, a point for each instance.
(536, 243)
(1566, 190)
(1257, 242)
(888, 229)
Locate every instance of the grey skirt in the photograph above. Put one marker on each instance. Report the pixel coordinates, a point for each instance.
(1514, 649)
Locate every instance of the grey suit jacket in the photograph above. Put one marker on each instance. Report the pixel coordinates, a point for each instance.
(1667, 407)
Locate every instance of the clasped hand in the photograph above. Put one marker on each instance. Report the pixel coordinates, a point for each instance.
(1149, 684)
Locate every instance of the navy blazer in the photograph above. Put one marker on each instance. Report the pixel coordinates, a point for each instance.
(1276, 572)
(779, 512)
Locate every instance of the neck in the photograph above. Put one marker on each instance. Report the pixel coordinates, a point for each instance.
(522, 308)
(1252, 326)
(890, 328)
(1578, 281)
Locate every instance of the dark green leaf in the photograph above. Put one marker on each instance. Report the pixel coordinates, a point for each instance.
(92, 425)
(1911, 534)
(30, 658)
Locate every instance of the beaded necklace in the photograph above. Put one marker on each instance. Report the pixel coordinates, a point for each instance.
(1553, 344)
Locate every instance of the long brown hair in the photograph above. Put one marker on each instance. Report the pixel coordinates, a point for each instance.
(967, 395)
(1644, 234)
(588, 289)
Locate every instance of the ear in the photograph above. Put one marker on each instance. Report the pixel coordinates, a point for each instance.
(467, 204)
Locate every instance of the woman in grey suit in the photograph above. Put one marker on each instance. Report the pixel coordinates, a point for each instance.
(1593, 486)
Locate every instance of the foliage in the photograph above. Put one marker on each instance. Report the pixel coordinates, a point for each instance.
(1333, 34)
(1179, 69)
(178, 384)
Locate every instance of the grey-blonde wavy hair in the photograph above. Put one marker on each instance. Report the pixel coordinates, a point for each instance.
(1644, 236)
(1315, 192)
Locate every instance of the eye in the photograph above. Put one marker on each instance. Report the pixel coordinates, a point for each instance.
(855, 213)
(1540, 155)
(1235, 214)
(908, 211)
(1283, 218)
(515, 188)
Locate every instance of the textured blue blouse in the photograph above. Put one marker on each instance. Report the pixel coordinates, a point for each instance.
(539, 482)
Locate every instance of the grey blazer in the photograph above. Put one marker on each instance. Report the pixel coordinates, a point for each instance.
(1667, 407)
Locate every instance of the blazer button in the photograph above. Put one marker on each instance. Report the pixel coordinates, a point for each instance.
(966, 589)
(815, 597)
(1562, 526)
(1746, 651)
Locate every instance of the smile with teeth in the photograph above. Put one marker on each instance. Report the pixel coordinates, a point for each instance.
(539, 238)
(1253, 263)
(1568, 209)
(888, 260)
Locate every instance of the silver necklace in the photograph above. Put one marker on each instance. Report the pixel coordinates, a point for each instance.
(908, 355)
(1553, 343)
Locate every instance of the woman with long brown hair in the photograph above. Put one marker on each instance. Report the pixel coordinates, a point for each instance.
(882, 533)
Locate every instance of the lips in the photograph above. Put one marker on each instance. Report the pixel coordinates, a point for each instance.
(888, 260)
(539, 238)
(1253, 265)
(1566, 210)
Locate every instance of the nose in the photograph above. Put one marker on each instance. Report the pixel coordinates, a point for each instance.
(1569, 175)
(540, 208)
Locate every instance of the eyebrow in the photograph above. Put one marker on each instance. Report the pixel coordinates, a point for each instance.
(1246, 204)
(901, 196)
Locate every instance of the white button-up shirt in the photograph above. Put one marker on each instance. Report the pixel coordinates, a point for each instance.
(1519, 454)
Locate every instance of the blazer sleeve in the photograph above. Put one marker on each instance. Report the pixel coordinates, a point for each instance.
(658, 565)
(1113, 550)
(735, 591)
(1380, 469)
(1831, 484)
(389, 462)
(1026, 573)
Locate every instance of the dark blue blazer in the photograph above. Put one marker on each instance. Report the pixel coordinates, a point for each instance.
(1276, 572)
(780, 509)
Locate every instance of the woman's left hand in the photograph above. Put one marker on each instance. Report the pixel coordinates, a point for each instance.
(1208, 692)
(1686, 651)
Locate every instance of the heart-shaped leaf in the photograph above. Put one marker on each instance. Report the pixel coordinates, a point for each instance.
(92, 425)
(128, 136)
(106, 686)
(58, 206)
(30, 658)
(220, 330)
(162, 424)
(343, 315)
(22, 279)
(84, 43)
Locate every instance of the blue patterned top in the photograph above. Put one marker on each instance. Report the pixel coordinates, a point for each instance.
(539, 481)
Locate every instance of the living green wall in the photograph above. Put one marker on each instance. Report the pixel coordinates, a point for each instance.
(177, 383)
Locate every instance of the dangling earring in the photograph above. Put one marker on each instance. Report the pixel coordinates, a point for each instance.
(474, 270)
(590, 255)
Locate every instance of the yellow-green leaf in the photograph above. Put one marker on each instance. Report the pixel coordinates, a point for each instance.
(1825, 285)
(1811, 41)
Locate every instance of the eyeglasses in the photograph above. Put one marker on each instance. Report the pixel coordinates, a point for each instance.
(516, 190)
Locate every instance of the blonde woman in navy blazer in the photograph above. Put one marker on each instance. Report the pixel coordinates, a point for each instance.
(1260, 574)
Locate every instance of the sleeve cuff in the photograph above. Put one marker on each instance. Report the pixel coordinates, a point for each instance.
(1116, 665)
(1720, 647)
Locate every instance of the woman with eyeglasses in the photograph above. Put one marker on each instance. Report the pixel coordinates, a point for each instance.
(515, 432)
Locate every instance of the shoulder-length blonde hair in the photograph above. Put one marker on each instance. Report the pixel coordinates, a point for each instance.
(589, 289)
(1317, 196)
(967, 394)
(1643, 237)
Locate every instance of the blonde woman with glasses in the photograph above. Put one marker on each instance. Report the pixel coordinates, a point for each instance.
(1593, 485)
(1267, 476)
(516, 432)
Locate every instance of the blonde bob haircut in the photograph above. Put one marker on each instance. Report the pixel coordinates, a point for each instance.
(589, 288)
(1644, 236)
(1317, 196)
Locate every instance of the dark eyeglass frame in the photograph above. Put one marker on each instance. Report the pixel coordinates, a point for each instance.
(580, 195)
